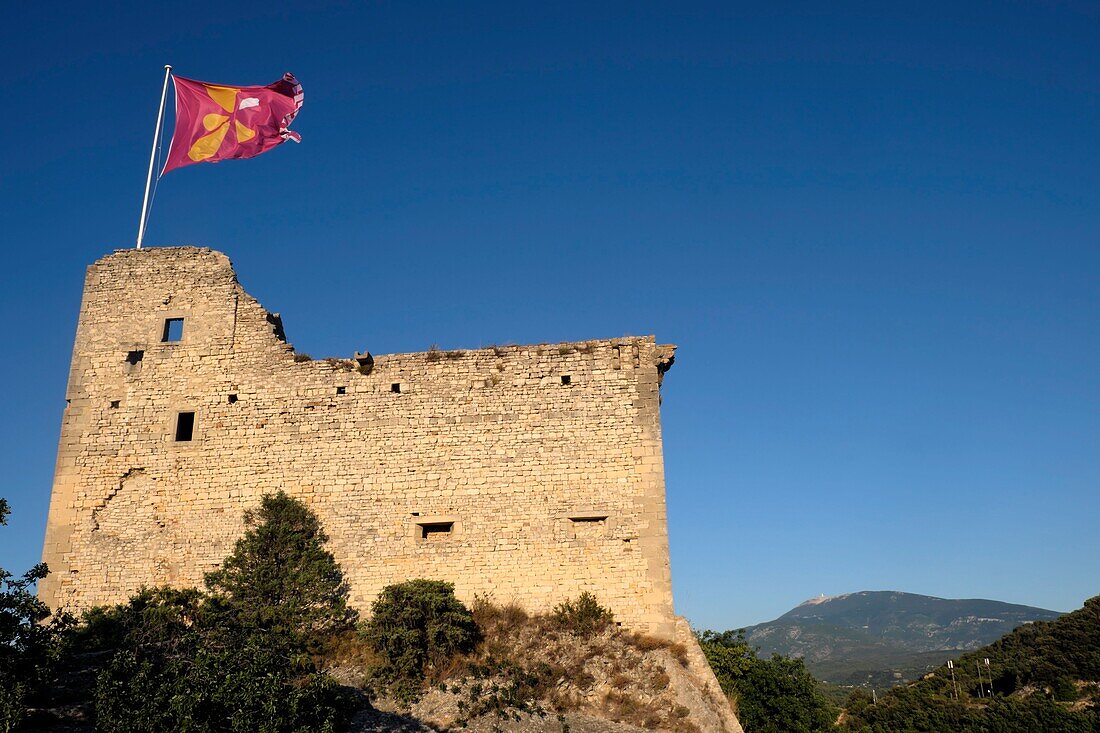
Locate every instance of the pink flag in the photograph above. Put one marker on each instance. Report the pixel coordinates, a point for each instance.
(215, 122)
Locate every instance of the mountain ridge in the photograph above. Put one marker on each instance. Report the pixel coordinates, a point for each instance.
(886, 637)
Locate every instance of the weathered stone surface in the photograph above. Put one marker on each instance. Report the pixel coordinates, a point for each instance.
(529, 473)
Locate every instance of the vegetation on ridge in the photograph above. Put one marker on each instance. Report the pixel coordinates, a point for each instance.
(1042, 676)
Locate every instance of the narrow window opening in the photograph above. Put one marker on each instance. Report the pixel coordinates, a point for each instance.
(566, 379)
(395, 388)
(134, 357)
(185, 427)
(436, 530)
(115, 404)
(588, 526)
(232, 399)
(341, 390)
(588, 520)
(173, 330)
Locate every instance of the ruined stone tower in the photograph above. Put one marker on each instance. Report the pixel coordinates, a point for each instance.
(530, 473)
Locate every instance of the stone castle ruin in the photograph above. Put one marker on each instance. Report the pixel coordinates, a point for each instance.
(526, 473)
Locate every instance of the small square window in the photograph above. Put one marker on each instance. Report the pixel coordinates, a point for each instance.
(566, 379)
(395, 388)
(185, 427)
(115, 404)
(341, 390)
(232, 399)
(173, 330)
(134, 357)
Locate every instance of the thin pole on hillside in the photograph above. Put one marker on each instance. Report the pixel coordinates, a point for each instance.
(152, 156)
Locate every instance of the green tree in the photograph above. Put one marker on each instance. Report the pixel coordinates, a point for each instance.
(776, 695)
(779, 695)
(28, 647)
(280, 577)
(417, 627)
(183, 665)
(237, 659)
(729, 656)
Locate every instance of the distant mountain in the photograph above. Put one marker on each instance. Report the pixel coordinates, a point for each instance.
(880, 638)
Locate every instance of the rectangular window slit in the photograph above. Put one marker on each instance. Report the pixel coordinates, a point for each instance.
(395, 388)
(232, 399)
(173, 330)
(436, 530)
(185, 427)
(588, 519)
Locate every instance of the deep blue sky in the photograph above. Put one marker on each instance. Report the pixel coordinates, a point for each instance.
(872, 229)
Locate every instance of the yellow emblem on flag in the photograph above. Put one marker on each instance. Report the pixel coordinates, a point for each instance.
(218, 125)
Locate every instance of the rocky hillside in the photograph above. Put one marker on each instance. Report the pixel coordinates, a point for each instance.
(881, 638)
(530, 676)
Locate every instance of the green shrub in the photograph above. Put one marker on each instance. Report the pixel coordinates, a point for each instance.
(280, 577)
(13, 705)
(505, 689)
(209, 681)
(1063, 689)
(417, 627)
(584, 616)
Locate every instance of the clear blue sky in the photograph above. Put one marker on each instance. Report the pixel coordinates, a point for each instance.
(872, 229)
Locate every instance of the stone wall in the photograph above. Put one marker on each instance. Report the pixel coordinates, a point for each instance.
(528, 473)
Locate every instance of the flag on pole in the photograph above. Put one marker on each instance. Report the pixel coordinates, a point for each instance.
(216, 122)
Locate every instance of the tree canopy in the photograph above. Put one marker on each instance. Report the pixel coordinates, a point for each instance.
(236, 658)
(776, 695)
(28, 647)
(280, 577)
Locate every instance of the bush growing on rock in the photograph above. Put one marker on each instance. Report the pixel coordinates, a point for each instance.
(584, 616)
(417, 627)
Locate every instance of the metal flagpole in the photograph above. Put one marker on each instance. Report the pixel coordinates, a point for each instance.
(152, 155)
